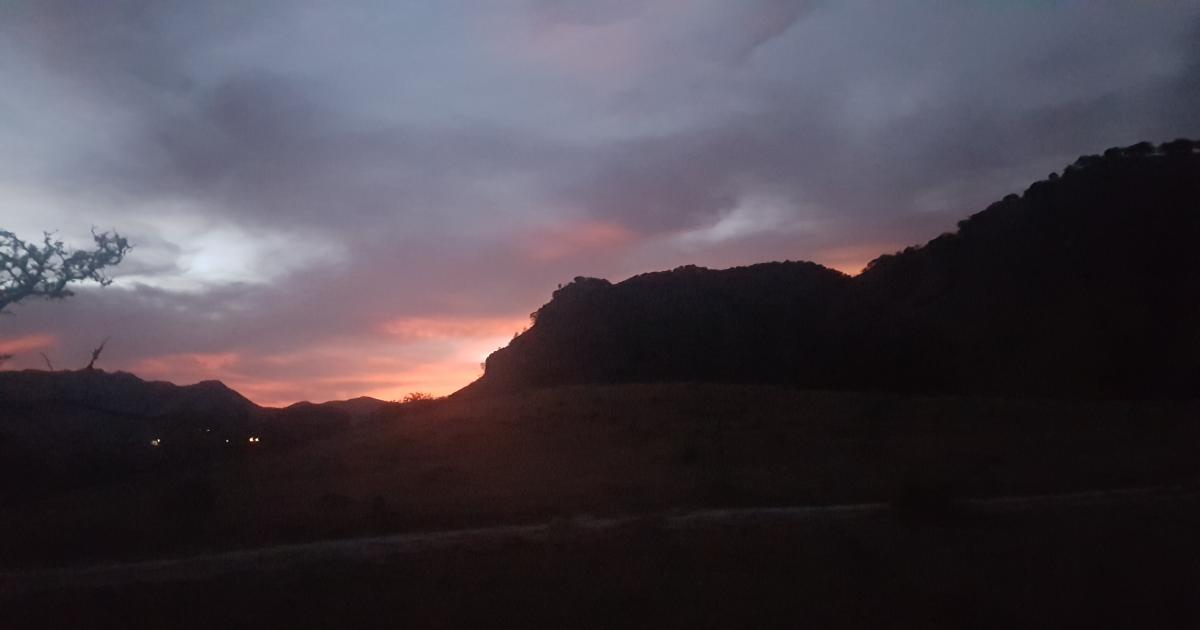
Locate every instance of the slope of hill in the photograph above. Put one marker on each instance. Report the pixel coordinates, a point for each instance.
(1084, 285)
(358, 408)
(120, 393)
(69, 428)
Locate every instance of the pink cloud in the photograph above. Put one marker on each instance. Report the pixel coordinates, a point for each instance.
(451, 328)
(186, 366)
(605, 52)
(26, 343)
(557, 241)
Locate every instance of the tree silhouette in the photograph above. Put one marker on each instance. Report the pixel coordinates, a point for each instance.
(30, 270)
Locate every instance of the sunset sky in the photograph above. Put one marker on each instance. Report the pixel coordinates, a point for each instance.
(334, 199)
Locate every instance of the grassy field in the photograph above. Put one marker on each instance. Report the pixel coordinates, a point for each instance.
(612, 450)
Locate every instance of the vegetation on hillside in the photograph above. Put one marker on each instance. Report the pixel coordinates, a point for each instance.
(1082, 286)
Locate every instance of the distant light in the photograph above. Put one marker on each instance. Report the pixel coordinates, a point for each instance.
(226, 440)
(156, 442)
(253, 440)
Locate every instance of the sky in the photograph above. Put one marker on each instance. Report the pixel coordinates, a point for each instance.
(334, 198)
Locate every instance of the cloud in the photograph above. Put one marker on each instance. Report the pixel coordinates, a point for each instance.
(188, 367)
(751, 217)
(963, 104)
(335, 199)
(25, 343)
(565, 239)
(450, 327)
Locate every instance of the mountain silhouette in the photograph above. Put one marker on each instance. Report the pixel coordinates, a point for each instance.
(361, 407)
(120, 393)
(1084, 285)
(66, 429)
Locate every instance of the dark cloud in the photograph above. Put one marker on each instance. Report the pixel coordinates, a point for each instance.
(762, 21)
(265, 149)
(980, 136)
(98, 42)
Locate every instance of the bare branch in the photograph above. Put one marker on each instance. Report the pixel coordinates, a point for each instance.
(96, 354)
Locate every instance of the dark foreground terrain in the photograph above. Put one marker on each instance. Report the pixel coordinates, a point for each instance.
(593, 506)
(604, 450)
(1099, 561)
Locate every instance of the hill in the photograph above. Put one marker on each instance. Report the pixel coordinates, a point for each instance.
(66, 429)
(358, 408)
(120, 393)
(1082, 286)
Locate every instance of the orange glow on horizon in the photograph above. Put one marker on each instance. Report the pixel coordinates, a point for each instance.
(853, 259)
(433, 355)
